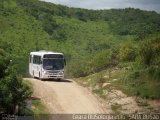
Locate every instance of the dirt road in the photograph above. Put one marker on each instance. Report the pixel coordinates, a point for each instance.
(66, 97)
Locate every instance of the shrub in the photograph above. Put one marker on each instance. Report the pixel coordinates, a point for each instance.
(13, 91)
(126, 53)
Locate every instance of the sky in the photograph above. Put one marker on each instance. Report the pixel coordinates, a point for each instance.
(151, 5)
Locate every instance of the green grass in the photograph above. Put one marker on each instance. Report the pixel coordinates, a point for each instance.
(38, 107)
(116, 108)
(141, 81)
(38, 111)
(96, 81)
(133, 83)
(143, 86)
(28, 83)
(99, 92)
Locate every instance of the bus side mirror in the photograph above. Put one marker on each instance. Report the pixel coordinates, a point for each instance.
(64, 61)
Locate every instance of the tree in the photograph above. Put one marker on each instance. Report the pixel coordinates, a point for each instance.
(13, 91)
(4, 61)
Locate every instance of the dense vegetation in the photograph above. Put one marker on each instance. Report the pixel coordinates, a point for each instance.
(91, 40)
(13, 90)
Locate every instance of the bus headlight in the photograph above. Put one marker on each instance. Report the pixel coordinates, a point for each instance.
(61, 73)
(45, 72)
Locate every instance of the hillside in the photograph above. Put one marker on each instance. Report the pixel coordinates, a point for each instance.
(92, 41)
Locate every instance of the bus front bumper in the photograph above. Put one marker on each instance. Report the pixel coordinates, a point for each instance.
(53, 76)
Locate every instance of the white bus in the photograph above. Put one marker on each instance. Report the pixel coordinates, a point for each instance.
(46, 65)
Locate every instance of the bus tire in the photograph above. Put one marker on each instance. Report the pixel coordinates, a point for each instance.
(59, 79)
(33, 74)
(39, 76)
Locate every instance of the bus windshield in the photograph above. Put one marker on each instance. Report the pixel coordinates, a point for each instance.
(53, 64)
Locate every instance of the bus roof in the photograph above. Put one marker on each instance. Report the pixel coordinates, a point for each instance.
(43, 52)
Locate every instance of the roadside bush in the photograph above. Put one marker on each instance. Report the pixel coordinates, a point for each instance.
(92, 64)
(3, 62)
(126, 53)
(153, 72)
(149, 52)
(13, 92)
(146, 54)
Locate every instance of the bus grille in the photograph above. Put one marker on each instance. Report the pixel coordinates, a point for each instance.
(53, 71)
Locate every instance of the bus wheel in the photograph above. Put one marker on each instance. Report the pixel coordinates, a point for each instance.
(59, 79)
(39, 76)
(33, 75)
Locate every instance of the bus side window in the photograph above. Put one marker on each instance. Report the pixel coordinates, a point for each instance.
(34, 59)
